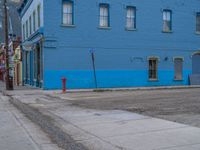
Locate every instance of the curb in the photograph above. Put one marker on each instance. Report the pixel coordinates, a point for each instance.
(48, 125)
(129, 89)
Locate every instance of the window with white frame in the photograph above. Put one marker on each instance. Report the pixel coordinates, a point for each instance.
(153, 68)
(67, 12)
(198, 22)
(104, 16)
(131, 17)
(167, 20)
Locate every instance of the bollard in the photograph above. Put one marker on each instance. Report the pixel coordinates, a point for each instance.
(64, 80)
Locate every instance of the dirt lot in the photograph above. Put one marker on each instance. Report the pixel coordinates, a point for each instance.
(179, 105)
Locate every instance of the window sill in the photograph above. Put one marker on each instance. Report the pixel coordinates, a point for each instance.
(105, 28)
(167, 31)
(153, 80)
(197, 33)
(130, 29)
(68, 26)
(178, 80)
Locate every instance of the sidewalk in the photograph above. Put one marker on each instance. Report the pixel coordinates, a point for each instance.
(19, 133)
(79, 128)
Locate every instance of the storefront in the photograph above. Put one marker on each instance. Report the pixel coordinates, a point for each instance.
(32, 63)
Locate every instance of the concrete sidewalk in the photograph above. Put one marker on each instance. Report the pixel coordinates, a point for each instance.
(78, 128)
(19, 133)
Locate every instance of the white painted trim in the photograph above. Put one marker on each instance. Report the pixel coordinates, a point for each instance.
(178, 57)
(197, 52)
(153, 57)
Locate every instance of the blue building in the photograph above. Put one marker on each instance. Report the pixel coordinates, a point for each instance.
(110, 43)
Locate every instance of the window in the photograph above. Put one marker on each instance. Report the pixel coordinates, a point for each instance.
(178, 68)
(26, 29)
(24, 32)
(167, 20)
(153, 69)
(27, 67)
(38, 13)
(104, 15)
(131, 17)
(30, 25)
(34, 21)
(35, 63)
(67, 12)
(198, 22)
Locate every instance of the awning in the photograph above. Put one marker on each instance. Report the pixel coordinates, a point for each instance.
(30, 45)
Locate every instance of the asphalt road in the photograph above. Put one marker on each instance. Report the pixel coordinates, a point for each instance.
(178, 105)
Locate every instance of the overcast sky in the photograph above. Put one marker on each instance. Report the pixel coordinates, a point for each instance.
(14, 17)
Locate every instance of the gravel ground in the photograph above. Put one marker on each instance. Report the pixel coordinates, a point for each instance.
(178, 105)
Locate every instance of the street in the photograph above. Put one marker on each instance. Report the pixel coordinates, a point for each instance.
(128, 120)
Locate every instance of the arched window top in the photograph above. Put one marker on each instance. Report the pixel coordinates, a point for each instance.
(196, 53)
(153, 57)
(178, 58)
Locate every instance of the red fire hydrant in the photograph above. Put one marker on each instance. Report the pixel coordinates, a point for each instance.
(64, 80)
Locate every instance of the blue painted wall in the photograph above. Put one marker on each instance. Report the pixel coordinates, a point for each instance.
(121, 56)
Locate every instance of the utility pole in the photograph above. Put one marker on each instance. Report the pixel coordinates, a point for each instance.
(9, 84)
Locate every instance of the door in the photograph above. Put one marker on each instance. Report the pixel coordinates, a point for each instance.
(196, 64)
(195, 77)
(178, 69)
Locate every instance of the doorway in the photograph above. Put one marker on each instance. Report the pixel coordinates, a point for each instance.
(195, 77)
(196, 63)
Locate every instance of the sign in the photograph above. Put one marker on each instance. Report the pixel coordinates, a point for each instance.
(2, 66)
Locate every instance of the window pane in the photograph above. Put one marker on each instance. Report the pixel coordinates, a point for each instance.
(130, 12)
(166, 26)
(67, 7)
(167, 15)
(129, 23)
